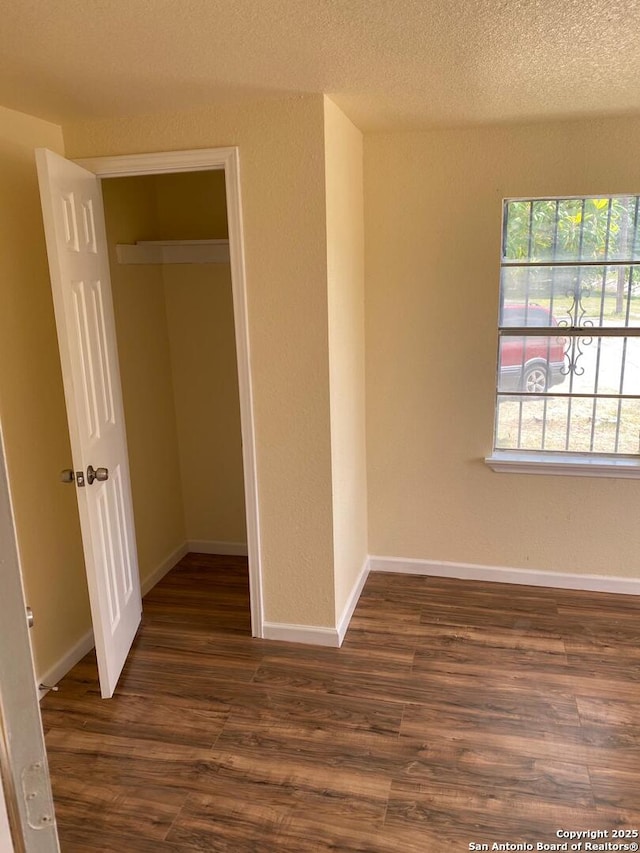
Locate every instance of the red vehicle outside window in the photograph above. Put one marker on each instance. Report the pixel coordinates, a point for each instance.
(533, 364)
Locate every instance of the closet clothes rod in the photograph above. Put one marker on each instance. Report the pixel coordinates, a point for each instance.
(173, 252)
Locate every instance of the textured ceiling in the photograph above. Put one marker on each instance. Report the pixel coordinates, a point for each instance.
(387, 63)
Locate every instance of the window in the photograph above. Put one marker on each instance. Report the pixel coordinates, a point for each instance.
(569, 328)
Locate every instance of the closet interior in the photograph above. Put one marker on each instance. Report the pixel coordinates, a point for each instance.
(171, 282)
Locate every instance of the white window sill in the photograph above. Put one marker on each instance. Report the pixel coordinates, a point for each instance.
(564, 464)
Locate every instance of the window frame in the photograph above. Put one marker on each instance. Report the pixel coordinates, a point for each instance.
(556, 462)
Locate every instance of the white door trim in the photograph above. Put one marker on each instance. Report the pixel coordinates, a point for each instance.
(197, 160)
(23, 759)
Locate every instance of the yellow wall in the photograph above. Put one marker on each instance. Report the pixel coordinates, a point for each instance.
(32, 402)
(282, 169)
(145, 369)
(191, 206)
(433, 219)
(345, 289)
(205, 379)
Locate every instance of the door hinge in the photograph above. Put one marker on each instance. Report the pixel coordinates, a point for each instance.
(37, 796)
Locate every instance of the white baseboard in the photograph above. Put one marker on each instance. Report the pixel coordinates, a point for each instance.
(352, 601)
(503, 574)
(164, 568)
(314, 635)
(58, 671)
(309, 634)
(227, 549)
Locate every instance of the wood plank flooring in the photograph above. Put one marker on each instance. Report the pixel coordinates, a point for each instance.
(455, 712)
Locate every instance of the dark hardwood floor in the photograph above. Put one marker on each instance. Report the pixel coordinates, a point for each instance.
(455, 712)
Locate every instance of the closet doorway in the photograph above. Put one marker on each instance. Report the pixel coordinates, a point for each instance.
(175, 254)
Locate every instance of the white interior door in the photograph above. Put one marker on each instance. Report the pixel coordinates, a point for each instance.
(78, 262)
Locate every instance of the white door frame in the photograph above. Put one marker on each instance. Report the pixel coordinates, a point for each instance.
(26, 810)
(199, 160)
